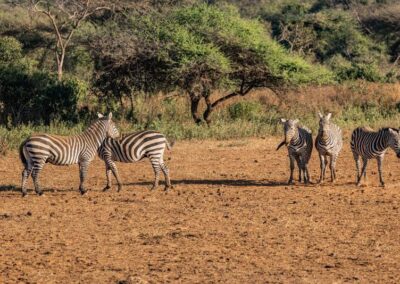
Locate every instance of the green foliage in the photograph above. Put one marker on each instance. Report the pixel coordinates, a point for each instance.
(10, 49)
(245, 110)
(30, 95)
(332, 36)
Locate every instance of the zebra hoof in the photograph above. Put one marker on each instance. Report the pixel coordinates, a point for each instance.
(82, 191)
(119, 188)
(290, 182)
(39, 193)
(106, 188)
(167, 188)
(24, 194)
(153, 188)
(383, 185)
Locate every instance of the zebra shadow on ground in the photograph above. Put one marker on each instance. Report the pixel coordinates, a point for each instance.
(15, 188)
(227, 182)
(9, 187)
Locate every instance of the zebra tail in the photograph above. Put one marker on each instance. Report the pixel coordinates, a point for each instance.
(21, 152)
(280, 145)
(170, 144)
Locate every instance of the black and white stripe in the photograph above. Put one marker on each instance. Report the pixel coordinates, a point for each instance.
(299, 143)
(64, 150)
(135, 147)
(329, 143)
(369, 144)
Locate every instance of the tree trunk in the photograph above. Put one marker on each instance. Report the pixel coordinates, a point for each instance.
(194, 105)
(132, 110)
(60, 64)
(209, 109)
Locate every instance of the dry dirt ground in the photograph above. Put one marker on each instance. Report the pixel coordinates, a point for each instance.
(229, 219)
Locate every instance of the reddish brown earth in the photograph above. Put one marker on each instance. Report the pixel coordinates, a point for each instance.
(230, 219)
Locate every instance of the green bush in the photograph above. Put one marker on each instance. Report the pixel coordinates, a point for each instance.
(10, 49)
(246, 110)
(38, 97)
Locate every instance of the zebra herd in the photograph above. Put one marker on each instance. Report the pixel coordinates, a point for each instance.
(102, 138)
(365, 144)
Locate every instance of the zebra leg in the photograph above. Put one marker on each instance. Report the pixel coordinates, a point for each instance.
(363, 171)
(333, 168)
(298, 161)
(35, 176)
(25, 175)
(322, 168)
(108, 175)
(291, 158)
(157, 169)
(114, 170)
(357, 160)
(380, 160)
(83, 168)
(165, 170)
(306, 173)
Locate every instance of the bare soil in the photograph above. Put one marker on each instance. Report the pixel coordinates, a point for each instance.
(231, 218)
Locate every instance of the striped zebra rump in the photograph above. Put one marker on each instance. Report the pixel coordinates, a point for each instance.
(53, 149)
(369, 144)
(132, 148)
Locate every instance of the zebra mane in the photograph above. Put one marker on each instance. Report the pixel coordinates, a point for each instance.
(387, 129)
(305, 128)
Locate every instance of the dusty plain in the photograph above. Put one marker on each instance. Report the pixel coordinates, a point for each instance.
(231, 218)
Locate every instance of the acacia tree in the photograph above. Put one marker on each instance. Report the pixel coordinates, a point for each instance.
(208, 48)
(204, 48)
(65, 17)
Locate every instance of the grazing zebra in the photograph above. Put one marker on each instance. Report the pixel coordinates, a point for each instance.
(299, 143)
(64, 150)
(135, 147)
(329, 142)
(371, 144)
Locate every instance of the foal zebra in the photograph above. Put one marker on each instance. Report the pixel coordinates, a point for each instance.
(58, 150)
(370, 144)
(329, 143)
(299, 143)
(135, 147)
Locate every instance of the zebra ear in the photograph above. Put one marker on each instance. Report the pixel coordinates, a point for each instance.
(328, 116)
(282, 120)
(320, 115)
(296, 121)
(393, 131)
(110, 116)
(99, 115)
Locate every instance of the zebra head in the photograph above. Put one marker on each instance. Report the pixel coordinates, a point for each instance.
(394, 140)
(290, 129)
(111, 128)
(324, 123)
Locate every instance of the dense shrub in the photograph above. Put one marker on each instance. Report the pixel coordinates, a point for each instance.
(30, 95)
(246, 110)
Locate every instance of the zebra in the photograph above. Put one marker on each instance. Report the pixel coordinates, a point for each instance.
(371, 144)
(135, 147)
(80, 149)
(329, 143)
(299, 143)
